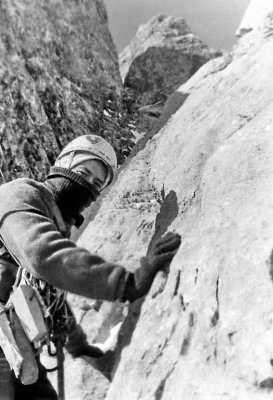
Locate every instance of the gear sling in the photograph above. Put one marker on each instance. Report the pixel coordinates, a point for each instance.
(35, 314)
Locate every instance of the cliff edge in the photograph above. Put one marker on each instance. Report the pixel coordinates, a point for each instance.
(205, 329)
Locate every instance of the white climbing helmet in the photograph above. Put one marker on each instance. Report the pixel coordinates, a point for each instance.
(89, 147)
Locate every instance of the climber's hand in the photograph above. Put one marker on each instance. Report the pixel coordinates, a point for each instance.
(162, 252)
(91, 351)
(158, 257)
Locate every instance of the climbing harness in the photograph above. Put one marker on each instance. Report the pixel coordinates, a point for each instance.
(57, 317)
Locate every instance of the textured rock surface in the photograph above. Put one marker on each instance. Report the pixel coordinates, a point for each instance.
(58, 76)
(205, 329)
(257, 17)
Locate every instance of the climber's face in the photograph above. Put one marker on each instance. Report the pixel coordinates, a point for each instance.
(93, 171)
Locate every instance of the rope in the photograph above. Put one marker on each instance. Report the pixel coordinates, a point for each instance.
(60, 373)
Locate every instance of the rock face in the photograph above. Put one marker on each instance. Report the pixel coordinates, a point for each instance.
(163, 55)
(257, 17)
(205, 329)
(58, 77)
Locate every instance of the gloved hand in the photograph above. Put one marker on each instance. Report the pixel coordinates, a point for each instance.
(91, 351)
(158, 258)
(77, 344)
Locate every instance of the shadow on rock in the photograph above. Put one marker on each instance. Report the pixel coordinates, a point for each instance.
(103, 364)
(173, 103)
(167, 214)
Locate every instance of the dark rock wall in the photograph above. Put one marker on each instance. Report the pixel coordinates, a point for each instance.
(163, 55)
(204, 331)
(158, 72)
(58, 74)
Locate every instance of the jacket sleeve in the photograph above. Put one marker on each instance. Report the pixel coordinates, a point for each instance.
(33, 239)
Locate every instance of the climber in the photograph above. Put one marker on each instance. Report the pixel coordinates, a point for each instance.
(36, 250)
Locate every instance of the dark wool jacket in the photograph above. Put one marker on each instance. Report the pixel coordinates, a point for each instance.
(35, 234)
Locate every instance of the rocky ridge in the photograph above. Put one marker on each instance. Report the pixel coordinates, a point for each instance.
(207, 175)
(163, 55)
(163, 32)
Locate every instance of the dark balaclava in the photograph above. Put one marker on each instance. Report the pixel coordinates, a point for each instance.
(71, 192)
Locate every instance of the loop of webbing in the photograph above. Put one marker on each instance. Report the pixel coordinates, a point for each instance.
(50, 352)
(54, 369)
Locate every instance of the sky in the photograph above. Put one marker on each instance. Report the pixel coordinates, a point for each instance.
(214, 21)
